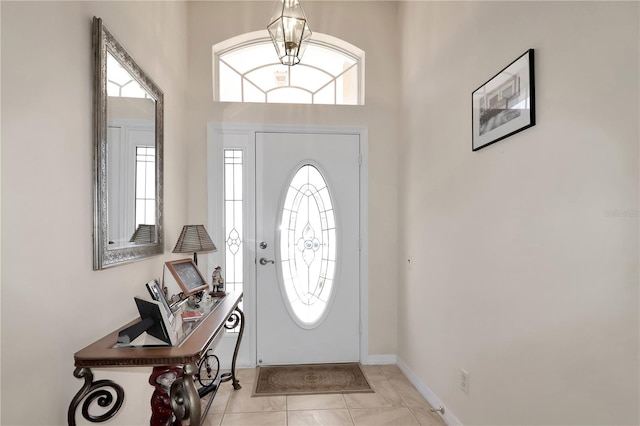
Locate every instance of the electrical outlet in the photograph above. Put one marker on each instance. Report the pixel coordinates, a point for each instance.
(464, 381)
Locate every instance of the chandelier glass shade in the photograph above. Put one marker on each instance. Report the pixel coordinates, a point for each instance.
(289, 31)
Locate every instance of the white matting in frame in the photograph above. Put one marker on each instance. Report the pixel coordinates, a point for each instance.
(505, 104)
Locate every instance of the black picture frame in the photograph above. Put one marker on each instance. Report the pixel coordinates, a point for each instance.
(188, 276)
(505, 104)
(157, 324)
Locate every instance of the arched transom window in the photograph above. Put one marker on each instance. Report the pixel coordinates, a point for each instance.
(246, 69)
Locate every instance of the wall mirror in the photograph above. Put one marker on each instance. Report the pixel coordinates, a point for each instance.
(128, 114)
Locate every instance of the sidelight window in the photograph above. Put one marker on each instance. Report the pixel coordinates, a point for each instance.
(145, 185)
(233, 219)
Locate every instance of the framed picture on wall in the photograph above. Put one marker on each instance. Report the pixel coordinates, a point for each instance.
(505, 104)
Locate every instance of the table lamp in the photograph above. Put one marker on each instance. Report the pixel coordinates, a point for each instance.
(194, 239)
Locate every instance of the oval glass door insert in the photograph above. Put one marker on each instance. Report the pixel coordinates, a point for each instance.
(308, 247)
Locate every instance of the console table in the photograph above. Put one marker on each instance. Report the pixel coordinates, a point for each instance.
(173, 369)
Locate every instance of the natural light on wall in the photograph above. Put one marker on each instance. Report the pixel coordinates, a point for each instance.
(246, 69)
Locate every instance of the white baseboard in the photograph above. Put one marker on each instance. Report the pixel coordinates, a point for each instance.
(378, 359)
(448, 417)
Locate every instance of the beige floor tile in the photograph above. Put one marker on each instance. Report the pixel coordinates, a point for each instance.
(373, 372)
(212, 419)
(278, 418)
(319, 418)
(220, 401)
(395, 402)
(407, 391)
(391, 370)
(246, 376)
(315, 402)
(396, 416)
(385, 395)
(426, 418)
(241, 401)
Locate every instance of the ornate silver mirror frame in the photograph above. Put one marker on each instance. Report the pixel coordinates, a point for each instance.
(107, 251)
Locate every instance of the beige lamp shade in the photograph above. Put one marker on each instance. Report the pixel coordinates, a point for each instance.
(144, 234)
(194, 239)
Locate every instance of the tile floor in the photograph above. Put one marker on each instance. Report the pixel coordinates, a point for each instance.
(395, 402)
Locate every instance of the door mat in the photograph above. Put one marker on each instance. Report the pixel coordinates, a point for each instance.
(310, 379)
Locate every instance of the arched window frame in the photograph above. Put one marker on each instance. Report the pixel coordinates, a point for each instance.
(318, 39)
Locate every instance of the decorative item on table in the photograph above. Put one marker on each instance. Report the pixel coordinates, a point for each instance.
(193, 301)
(217, 283)
(159, 294)
(154, 320)
(189, 278)
(194, 239)
(504, 105)
(191, 315)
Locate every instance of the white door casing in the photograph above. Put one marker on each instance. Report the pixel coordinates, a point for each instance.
(221, 136)
(332, 336)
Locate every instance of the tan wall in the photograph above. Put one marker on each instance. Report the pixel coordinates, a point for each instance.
(518, 274)
(53, 303)
(213, 22)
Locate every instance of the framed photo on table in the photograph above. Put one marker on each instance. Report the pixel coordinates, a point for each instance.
(157, 294)
(154, 290)
(505, 104)
(188, 276)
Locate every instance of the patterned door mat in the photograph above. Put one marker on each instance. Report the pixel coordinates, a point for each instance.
(310, 379)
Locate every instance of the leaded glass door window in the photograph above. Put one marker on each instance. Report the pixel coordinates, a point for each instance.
(308, 246)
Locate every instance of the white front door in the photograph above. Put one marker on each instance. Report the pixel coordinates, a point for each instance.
(307, 248)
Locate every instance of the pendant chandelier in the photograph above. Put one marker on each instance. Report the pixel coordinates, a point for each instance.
(289, 31)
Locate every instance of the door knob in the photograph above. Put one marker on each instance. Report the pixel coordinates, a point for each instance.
(264, 261)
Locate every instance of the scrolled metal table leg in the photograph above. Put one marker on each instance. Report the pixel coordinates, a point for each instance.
(185, 400)
(237, 317)
(95, 391)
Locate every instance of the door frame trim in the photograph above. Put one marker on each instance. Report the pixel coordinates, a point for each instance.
(244, 133)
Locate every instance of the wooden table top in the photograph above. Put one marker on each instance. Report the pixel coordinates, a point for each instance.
(102, 352)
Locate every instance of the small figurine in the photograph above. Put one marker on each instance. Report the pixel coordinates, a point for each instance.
(161, 379)
(217, 282)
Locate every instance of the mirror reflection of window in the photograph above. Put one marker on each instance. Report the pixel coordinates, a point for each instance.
(131, 146)
(131, 195)
(145, 185)
(120, 83)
